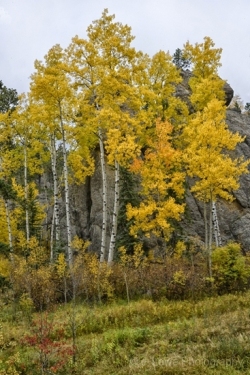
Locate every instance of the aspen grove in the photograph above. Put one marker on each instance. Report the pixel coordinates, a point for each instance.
(101, 101)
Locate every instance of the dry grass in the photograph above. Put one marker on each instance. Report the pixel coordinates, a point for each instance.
(144, 337)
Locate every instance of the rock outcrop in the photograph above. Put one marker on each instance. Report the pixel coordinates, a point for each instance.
(234, 218)
(229, 93)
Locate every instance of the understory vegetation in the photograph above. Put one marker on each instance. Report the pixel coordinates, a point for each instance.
(146, 315)
(209, 336)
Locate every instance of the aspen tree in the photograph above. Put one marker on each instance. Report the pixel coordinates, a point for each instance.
(42, 120)
(205, 82)
(20, 146)
(122, 148)
(207, 159)
(120, 101)
(208, 139)
(8, 103)
(206, 85)
(51, 86)
(81, 61)
(6, 172)
(102, 68)
(27, 138)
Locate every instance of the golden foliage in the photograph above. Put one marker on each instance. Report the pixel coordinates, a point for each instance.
(90, 277)
(5, 267)
(204, 57)
(159, 175)
(208, 140)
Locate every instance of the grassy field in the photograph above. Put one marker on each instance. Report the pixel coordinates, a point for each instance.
(211, 336)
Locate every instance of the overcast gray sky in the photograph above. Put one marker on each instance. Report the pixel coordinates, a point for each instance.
(29, 28)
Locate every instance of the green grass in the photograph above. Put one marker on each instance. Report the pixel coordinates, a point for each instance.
(211, 336)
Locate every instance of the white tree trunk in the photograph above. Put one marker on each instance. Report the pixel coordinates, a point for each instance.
(26, 194)
(210, 239)
(115, 214)
(216, 229)
(52, 253)
(206, 227)
(66, 186)
(7, 212)
(6, 203)
(104, 198)
(55, 228)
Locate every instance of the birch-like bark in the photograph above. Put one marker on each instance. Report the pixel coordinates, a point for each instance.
(66, 186)
(7, 212)
(26, 195)
(52, 253)
(6, 203)
(210, 238)
(104, 198)
(216, 229)
(115, 214)
(206, 227)
(55, 228)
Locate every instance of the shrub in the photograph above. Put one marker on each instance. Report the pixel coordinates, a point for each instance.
(230, 271)
(51, 352)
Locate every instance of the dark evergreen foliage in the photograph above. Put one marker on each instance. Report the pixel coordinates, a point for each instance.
(6, 190)
(8, 99)
(247, 107)
(128, 194)
(180, 61)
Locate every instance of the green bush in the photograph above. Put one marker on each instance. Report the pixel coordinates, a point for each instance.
(230, 271)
